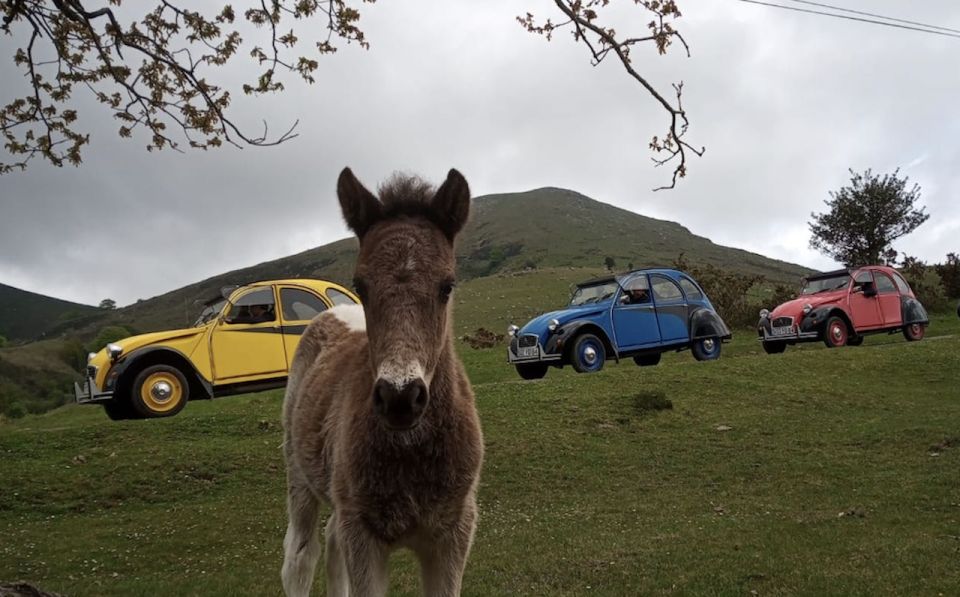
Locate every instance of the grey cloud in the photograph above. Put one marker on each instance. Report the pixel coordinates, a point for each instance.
(784, 103)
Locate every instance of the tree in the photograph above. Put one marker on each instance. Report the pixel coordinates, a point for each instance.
(109, 334)
(866, 217)
(154, 65)
(108, 303)
(609, 262)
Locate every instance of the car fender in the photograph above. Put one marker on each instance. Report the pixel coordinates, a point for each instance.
(706, 323)
(559, 341)
(155, 355)
(912, 311)
(815, 319)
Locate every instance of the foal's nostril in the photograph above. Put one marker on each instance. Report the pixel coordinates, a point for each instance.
(401, 407)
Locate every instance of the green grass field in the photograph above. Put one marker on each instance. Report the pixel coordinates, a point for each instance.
(815, 472)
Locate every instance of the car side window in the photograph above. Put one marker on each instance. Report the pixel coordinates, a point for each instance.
(300, 305)
(636, 291)
(884, 283)
(339, 298)
(861, 279)
(901, 283)
(257, 306)
(665, 290)
(690, 289)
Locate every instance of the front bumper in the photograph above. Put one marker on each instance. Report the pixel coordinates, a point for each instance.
(87, 393)
(805, 331)
(529, 354)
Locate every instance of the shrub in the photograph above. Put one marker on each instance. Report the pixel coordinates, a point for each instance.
(109, 334)
(16, 411)
(727, 291)
(949, 272)
(925, 282)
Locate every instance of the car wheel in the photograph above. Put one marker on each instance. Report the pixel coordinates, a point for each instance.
(160, 391)
(119, 410)
(854, 340)
(774, 347)
(532, 370)
(835, 333)
(914, 332)
(647, 360)
(588, 354)
(706, 349)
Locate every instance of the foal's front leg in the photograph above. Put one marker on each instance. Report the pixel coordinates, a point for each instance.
(443, 555)
(365, 557)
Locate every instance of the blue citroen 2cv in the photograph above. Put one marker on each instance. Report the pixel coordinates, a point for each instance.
(641, 314)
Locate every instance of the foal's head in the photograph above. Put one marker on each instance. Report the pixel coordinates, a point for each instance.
(404, 277)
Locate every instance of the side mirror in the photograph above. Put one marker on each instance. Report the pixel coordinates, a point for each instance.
(869, 289)
(624, 299)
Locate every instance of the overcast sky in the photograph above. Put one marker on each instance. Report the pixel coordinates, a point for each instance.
(784, 102)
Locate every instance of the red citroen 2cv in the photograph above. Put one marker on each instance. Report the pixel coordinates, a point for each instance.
(843, 306)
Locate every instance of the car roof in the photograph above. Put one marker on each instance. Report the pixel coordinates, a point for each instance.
(627, 275)
(850, 271)
(314, 284)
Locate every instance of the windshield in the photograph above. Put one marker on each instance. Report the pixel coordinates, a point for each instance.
(209, 312)
(825, 284)
(593, 294)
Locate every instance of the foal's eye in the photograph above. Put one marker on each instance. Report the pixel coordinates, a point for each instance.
(445, 289)
(360, 288)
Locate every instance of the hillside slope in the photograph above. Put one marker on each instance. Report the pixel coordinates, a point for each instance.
(27, 315)
(542, 228)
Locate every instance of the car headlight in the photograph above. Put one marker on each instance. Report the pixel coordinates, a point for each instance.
(553, 325)
(114, 350)
(512, 330)
(764, 313)
(90, 357)
(807, 308)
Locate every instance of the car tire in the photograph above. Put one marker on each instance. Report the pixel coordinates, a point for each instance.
(532, 370)
(159, 391)
(706, 349)
(119, 410)
(835, 332)
(854, 340)
(774, 347)
(647, 360)
(587, 354)
(914, 332)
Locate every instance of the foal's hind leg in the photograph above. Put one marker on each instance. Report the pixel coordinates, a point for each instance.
(301, 545)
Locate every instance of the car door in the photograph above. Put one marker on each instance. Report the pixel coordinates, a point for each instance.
(889, 300)
(634, 318)
(297, 307)
(865, 310)
(247, 340)
(671, 308)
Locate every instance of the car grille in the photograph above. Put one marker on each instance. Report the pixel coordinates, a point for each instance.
(528, 340)
(91, 371)
(780, 322)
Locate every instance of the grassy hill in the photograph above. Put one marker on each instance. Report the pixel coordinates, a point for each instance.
(734, 477)
(28, 315)
(543, 228)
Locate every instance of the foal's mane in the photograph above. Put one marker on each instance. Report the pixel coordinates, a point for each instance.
(403, 195)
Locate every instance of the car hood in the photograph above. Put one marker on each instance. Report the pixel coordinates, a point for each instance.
(539, 324)
(134, 342)
(795, 307)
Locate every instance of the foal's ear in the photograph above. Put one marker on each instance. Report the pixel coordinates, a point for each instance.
(360, 208)
(451, 204)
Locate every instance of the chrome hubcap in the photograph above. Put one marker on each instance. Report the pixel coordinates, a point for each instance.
(590, 355)
(161, 391)
(708, 345)
(837, 332)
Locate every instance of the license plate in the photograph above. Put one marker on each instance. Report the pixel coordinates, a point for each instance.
(527, 352)
(786, 330)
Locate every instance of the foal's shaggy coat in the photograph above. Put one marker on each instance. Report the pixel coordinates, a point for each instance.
(379, 416)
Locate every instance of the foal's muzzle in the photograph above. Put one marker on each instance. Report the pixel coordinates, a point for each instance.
(402, 407)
